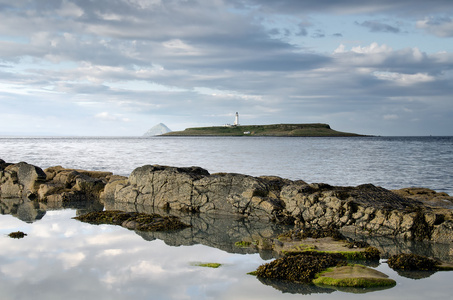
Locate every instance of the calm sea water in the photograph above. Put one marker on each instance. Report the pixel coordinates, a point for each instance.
(62, 258)
(390, 162)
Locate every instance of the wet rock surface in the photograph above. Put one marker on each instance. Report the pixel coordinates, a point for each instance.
(412, 262)
(300, 268)
(133, 220)
(363, 210)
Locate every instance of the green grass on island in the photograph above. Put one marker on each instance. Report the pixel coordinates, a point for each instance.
(308, 130)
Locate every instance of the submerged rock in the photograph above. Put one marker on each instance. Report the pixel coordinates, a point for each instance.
(17, 235)
(300, 268)
(326, 268)
(412, 262)
(133, 220)
(356, 276)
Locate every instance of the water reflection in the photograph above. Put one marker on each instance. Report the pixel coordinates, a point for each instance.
(26, 211)
(221, 232)
(65, 258)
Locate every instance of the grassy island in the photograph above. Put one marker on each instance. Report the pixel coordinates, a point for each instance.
(315, 130)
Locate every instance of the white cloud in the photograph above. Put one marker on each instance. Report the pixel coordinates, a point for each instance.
(404, 79)
(105, 116)
(373, 48)
(71, 260)
(178, 47)
(442, 27)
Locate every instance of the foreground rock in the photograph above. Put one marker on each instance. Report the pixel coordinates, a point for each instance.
(356, 276)
(301, 268)
(324, 269)
(365, 209)
(361, 210)
(53, 185)
(413, 262)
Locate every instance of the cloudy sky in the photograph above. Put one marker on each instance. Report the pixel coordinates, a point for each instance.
(119, 67)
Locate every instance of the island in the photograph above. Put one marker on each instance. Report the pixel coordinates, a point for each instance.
(301, 130)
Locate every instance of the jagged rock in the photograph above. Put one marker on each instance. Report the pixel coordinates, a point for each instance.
(109, 189)
(55, 184)
(427, 196)
(362, 209)
(365, 209)
(20, 180)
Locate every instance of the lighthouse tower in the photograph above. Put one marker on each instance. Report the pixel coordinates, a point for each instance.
(236, 120)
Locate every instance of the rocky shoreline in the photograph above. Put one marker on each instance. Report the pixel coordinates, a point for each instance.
(409, 214)
(311, 229)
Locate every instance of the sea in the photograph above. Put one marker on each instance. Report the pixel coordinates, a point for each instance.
(61, 258)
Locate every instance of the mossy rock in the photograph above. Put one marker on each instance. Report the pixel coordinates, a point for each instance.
(207, 265)
(133, 220)
(368, 254)
(412, 262)
(17, 235)
(357, 276)
(315, 233)
(301, 267)
(243, 244)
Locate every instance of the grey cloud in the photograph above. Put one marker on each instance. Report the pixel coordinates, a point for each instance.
(302, 29)
(189, 44)
(402, 7)
(376, 26)
(318, 34)
(439, 26)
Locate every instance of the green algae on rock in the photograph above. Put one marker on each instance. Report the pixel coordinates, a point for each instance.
(243, 244)
(17, 235)
(353, 276)
(133, 220)
(207, 265)
(301, 267)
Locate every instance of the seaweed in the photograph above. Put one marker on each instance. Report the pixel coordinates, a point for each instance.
(134, 220)
(17, 235)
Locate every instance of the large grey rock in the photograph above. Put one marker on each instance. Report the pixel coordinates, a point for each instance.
(365, 209)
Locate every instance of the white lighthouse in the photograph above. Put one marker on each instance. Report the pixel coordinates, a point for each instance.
(236, 120)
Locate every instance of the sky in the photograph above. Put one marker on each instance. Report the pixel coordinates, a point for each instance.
(119, 67)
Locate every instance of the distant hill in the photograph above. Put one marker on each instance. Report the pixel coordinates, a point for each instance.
(157, 130)
(315, 129)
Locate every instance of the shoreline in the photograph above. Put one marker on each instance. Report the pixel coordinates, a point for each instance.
(409, 213)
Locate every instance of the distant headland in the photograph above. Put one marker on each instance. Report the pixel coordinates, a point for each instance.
(303, 130)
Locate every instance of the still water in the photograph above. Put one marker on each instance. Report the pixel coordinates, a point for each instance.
(390, 162)
(61, 258)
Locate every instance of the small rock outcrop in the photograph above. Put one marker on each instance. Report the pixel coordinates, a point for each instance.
(55, 184)
(21, 179)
